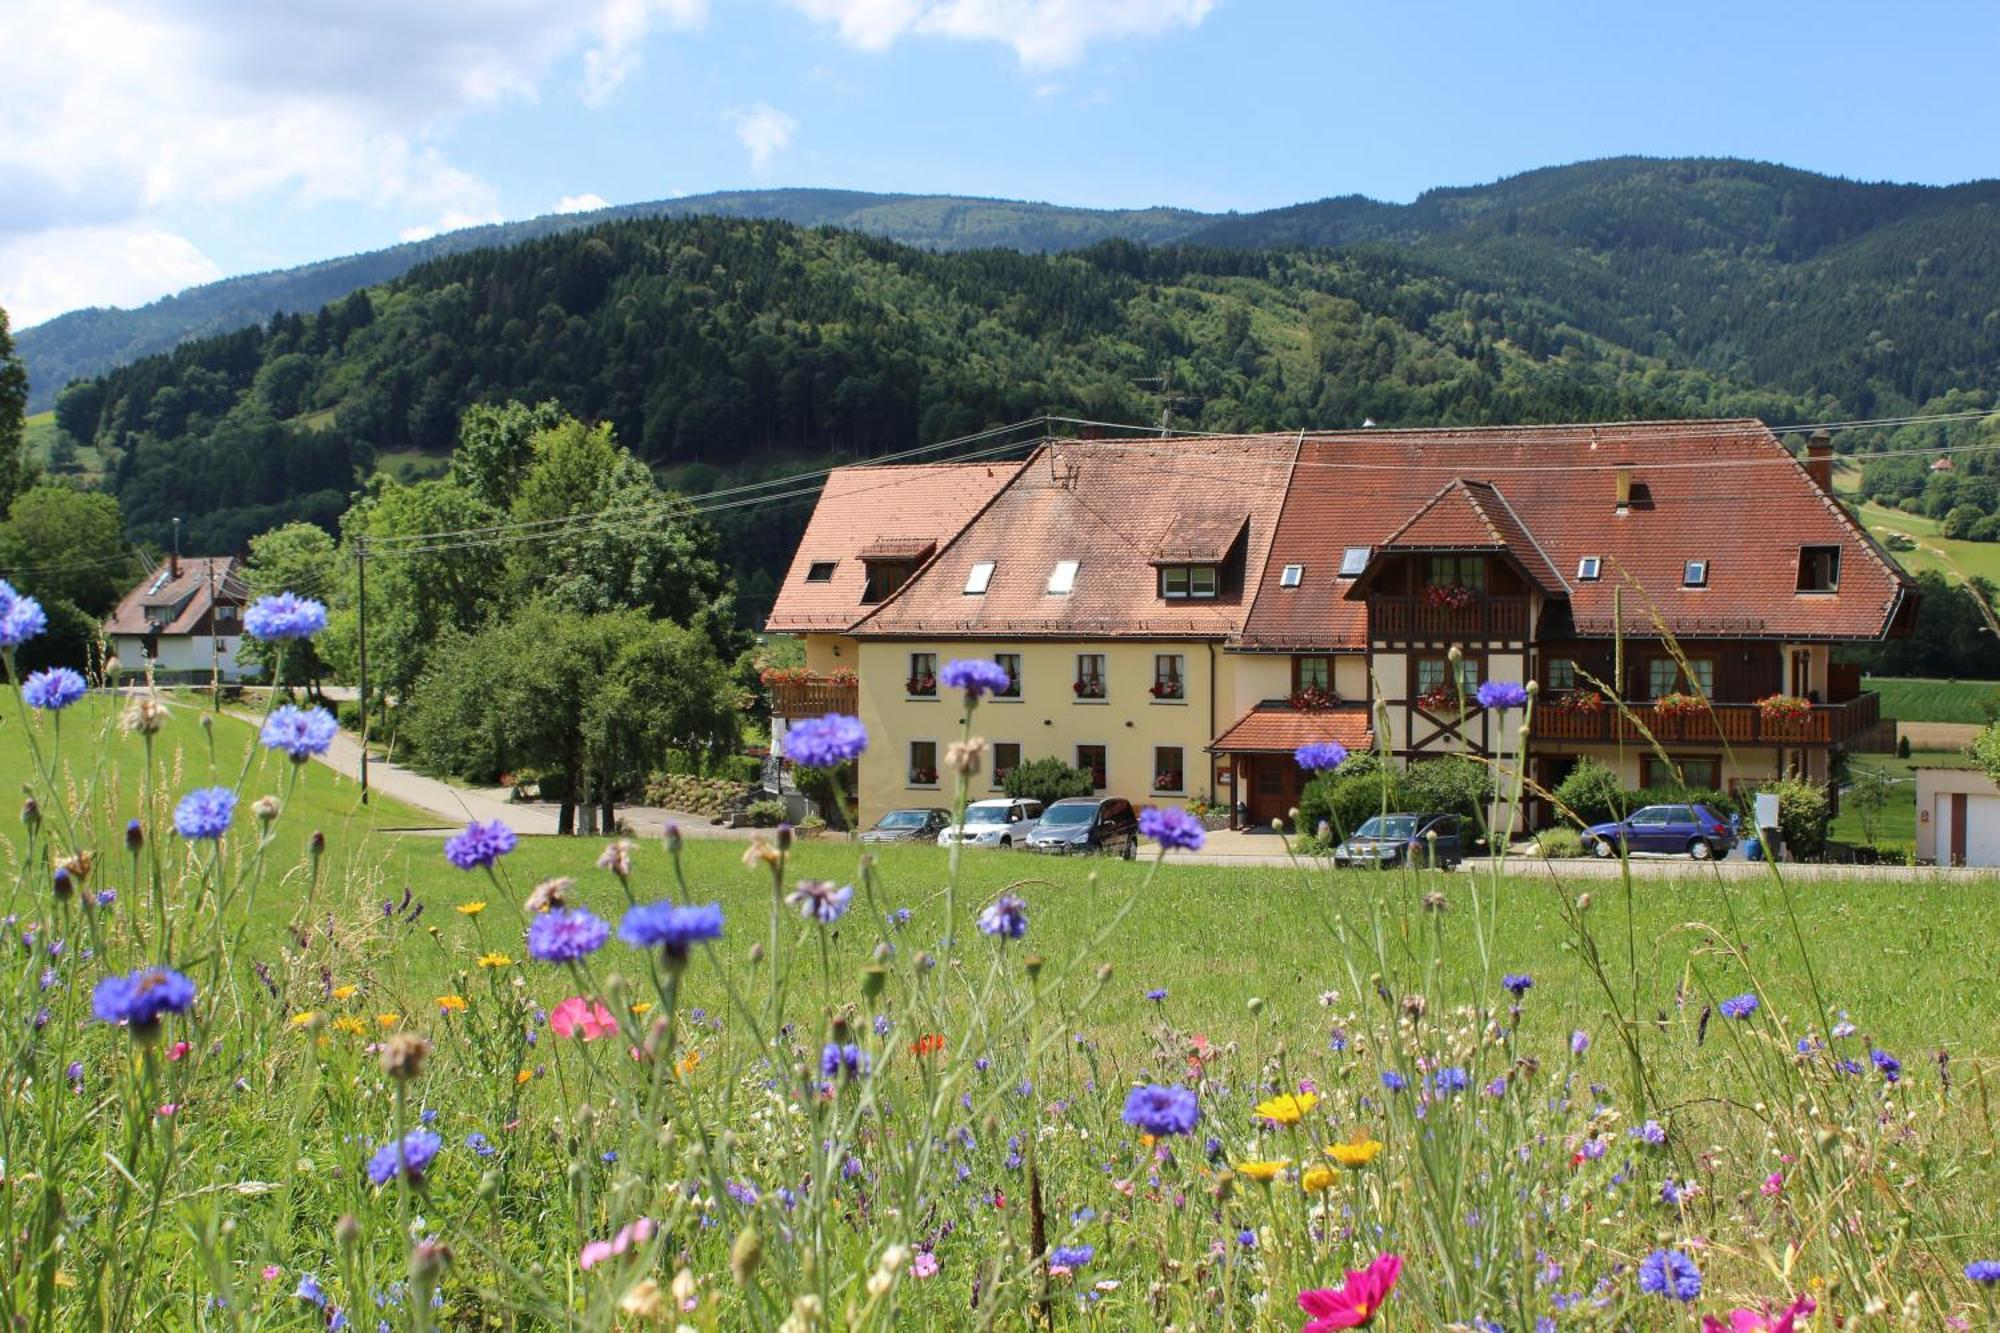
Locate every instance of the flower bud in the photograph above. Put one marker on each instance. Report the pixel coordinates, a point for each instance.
(1104, 971)
(644, 1300)
(31, 814)
(965, 757)
(745, 1255)
(1583, 902)
(403, 1055)
(316, 845)
(1256, 1004)
(872, 981)
(1032, 964)
(64, 883)
(925, 962)
(756, 954)
(429, 1260)
(673, 838)
(135, 837)
(347, 1231)
(266, 809)
(783, 837)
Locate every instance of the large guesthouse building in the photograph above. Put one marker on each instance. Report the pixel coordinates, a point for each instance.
(1178, 616)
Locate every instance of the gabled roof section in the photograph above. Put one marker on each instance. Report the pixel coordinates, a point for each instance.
(1112, 506)
(176, 603)
(891, 511)
(1199, 538)
(1472, 516)
(1281, 729)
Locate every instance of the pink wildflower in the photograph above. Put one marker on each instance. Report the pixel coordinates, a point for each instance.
(178, 1051)
(167, 1110)
(1355, 1302)
(1773, 1186)
(272, 1272)
(1744, 1320)
(924, 1265)
(577, 1016)
(630, 1235)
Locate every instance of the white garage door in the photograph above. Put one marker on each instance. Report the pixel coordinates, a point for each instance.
(1982, 830)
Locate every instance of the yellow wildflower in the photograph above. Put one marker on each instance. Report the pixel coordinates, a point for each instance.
(1357, 1154)
(346, 992)
(524, 1076)
(452, 1004)
(688, 1063)
(388, 1020)
(1260, 1171)
(473, 908)
(1287, 1108)
(759, 853)
(351, 1025)
(495, 960)
(1319, 1177)
(639, 1009)
(304, 1019)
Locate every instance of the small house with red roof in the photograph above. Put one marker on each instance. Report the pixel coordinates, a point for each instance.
(183, 622)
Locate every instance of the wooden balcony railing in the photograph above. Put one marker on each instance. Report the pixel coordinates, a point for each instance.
(1732, 723)
(1413, 620)
(812, 698)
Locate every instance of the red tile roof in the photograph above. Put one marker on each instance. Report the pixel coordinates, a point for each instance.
(1475, 516)
(1281, 729)
(166, 603)
(1727, 492)
(1113, 507)
(891, 508)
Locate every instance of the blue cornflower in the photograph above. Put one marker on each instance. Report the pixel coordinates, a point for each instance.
(205, 812)
(1671, 1274)
(1173, 828)
(671, 927)
(1739, 1006)
(411, 1156)
(310, 1290)
(1247, 1239)
(1670, 1193)
(299, 732)
(883, 1027)
(140, 1000)
(900, 917)
(1579, 1042)
(1501, 694)
(1393, 1081)
(824, 742)
(480, 1144)
(284, 616)
(1071, 1256)
(479, 845)
(1983, 1270)
(1320, 756)
(1161, 1109)
(843, 1060)
(1518, 982)
(1157, 995)
(1650, 1132)
(819, 900)
(54, 689)
(21, 618)
(1891, 1067)
(1006, 916)
(976, 676)
(1449, 1080)
(566, 934)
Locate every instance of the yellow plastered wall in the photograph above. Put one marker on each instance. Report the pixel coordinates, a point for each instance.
(827, 653)
(1048, 719)
(1739, 765)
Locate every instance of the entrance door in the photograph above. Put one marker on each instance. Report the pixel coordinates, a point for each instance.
(1271, 787)
(1958, 828)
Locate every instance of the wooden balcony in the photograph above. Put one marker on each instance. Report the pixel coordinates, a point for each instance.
(814, 697)
(1731, 723)
(1413, 620)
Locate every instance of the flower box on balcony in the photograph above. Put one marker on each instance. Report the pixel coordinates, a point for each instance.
(1438, 698)
(1450, 597)
(1166, 689)
(784, 675)
(1678, 705)
(923, 777)
(1587, 702)
(1311, 698)
(1166, 782)
(1089, 689)
(921, 686)
(1784, 708)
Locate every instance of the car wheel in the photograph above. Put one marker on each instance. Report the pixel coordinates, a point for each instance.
(1700, 850)
(1132, 847)
(1007, 843)
(1602, 849)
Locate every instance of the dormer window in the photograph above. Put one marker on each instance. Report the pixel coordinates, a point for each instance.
(820, 571)
(1062, 579)
(1353, 561)
(976, 582)
(1819, 569)
(1291, 575)
(1695, 575)
(1178, 581)
(1590, 568)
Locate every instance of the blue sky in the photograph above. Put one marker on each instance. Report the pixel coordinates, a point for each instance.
(150, 144)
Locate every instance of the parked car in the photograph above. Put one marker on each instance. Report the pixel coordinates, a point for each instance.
(1391, 840)
(913, 825)
(1000, 822)
(1677, 830)
(1082, 824)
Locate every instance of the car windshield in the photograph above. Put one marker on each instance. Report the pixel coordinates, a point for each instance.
(1061, 815)
(1389, 826)
(903, 819)
(986, 814)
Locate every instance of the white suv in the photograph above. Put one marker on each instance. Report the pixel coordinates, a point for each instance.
(1001, 822)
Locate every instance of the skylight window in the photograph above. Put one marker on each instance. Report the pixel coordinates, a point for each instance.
(977, 581)
(1590, 568)
(1062, 579)
(1291, 576)
(1353, 560)
(1695, 575)
(820, 571)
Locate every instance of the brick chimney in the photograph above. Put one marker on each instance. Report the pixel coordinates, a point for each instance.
(1624, 487)
(1819, 460)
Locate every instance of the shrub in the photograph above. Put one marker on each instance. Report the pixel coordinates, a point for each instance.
(1592, 791)
(1047, 779)
(1802, 816)
(1452, 785)
(1902, 747)
(1720, 802)
(1559, 842)
(1346, 797)
(764, 814)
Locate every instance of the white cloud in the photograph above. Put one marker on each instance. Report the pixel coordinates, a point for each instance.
(46, 272)
(1045, 34)
(581, 203)
(124, 113)
(764, 130)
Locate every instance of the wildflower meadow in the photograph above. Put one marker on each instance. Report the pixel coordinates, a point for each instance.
(256, 1079)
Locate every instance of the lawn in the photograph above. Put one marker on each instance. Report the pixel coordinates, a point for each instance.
(1948, 555)
(1910, 699)
(1895, 827)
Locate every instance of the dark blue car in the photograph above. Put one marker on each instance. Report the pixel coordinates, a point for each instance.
(1673, 830)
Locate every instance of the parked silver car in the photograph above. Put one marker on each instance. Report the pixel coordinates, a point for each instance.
(915, 825)
(1000, 822)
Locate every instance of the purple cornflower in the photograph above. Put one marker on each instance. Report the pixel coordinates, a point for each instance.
(479, 845)
(54, 689)
(1161, 1109)
(1006, 916)
(205, 812)
(671, 927)
(1517, 982)
(1071, 1256)
(284, 616)
(819, 900)
(410, 1156)
(1172, 827)
(1650, 1132)
(21, 618)
(824, 742)
(480, 1144)
(1739, 1006)
(1891, 1067)
(843, 1061)
(1579, 1042)
(1394, 1081)
(1671, 1274)
(1449, 1080)
(140, 1000)
(299, 732)
(1501, 694)
(1321, 756)
(566, 934)
(1983, 1270)
(1157, 995)
(976, 676)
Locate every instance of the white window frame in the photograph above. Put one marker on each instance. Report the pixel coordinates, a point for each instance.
(909, 764)
(1291, 576)
(1102, 676)
(1169, 575)
(911, 673)
(1694, 574)
(1354, 560)
(1019, 674)
(979, 578)
(1158, 790)
(1062, 579)
(1180, 674)
(1076, 755)
(995, 777)
(1590, 569)
(1196, 573)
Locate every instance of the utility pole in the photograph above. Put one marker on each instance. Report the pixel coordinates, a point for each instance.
(214, 643)
(361, 627)
(1165, 393)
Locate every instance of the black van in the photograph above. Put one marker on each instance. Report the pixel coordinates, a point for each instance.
(1082, 824)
